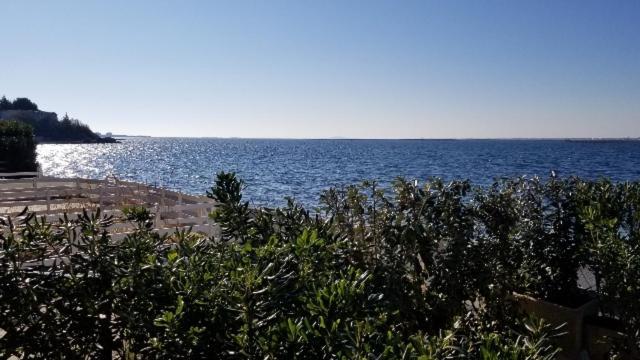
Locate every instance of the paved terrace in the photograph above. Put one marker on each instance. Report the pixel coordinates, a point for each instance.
(51, 197)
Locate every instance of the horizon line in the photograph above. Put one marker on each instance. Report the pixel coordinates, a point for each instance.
(627, 138)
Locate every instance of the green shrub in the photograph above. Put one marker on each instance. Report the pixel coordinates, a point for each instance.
(610, 214)
(17, 147)
(421, 274)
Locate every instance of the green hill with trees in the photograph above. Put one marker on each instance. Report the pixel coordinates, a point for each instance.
(46, 125)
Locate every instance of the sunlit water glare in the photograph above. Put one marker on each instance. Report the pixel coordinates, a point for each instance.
(273, 169)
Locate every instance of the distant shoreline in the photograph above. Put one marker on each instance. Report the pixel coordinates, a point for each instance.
(124, 137)
(63, 142)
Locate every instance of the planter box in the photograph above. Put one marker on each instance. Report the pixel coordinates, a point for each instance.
(600, 334)
(571, 343)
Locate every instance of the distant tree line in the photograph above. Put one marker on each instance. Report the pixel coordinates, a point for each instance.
(46, 126)
(66, 129)
(17, 147)
(17, 104)
(49, 128)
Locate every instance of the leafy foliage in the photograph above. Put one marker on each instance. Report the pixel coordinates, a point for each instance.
(17, 147)
(423, 274)
(610, 214)
(17, 104)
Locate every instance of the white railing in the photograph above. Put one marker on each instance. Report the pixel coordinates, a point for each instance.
(15, 174)
(52, 197)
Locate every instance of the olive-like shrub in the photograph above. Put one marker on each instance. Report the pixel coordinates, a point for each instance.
(17, 147)
(424, 273)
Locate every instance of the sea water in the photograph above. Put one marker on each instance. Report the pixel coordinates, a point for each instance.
(274, 169)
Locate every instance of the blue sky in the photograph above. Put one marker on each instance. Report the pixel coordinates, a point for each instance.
(312, 69)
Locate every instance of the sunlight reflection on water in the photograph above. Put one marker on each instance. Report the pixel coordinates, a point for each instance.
(274, 169)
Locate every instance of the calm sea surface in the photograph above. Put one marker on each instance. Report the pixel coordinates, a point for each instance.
(273, 169)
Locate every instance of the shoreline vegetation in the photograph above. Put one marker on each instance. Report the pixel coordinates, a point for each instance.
(596, 140)
(17, 147)
(47, 128)
(415, 272)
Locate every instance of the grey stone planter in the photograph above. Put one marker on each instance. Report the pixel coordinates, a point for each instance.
(574, 318)
(600, 334)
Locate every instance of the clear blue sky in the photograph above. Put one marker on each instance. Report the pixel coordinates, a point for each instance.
(365, 69)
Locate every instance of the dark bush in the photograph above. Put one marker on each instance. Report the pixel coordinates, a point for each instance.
(24, 104)
(17, 147)
(17, 104)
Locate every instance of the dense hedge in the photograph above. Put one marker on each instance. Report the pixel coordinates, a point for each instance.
(17, 147)
(423, 273)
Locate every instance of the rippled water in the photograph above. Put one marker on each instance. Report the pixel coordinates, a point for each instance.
(273, 169)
